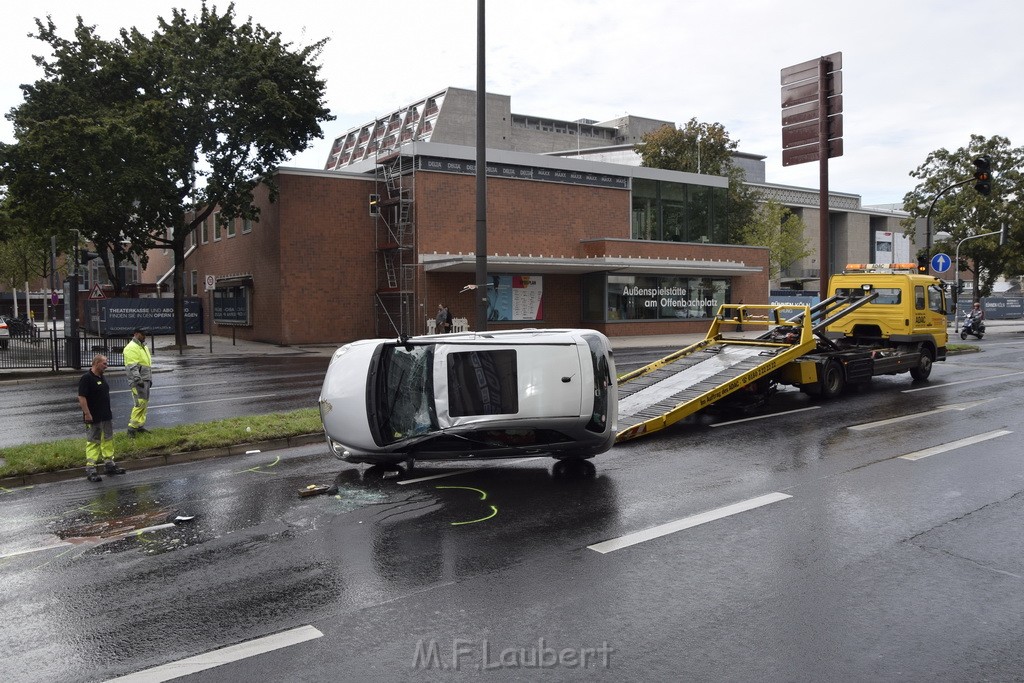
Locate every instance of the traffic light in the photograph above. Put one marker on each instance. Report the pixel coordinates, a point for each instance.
(983, 175)
(374, 204)
(922, 264)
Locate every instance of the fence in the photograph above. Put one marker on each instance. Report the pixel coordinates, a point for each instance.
(58, 353)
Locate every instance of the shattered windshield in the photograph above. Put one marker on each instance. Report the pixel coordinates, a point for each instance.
(405, 392)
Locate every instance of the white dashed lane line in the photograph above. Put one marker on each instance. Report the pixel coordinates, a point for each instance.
(686, 523)
(225, 655)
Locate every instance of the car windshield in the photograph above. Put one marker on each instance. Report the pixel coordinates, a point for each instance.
(405, 392)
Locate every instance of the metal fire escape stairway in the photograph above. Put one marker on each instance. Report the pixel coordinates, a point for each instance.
(396, 269)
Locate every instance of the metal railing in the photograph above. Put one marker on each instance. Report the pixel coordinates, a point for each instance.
(60, 353)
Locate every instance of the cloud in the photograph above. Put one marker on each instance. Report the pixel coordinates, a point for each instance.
(912, 80)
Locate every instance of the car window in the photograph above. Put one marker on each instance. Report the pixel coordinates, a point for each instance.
(405, 392)
(602, 383)
(483, 383)
(936, 299)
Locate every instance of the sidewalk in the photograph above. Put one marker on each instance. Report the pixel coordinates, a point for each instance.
(224, 347)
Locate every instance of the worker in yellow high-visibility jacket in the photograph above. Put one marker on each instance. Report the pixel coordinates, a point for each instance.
(138, 364)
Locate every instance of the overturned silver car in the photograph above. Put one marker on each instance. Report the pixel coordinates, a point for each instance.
(511, 393)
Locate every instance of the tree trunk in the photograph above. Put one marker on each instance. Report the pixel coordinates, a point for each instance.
(178, 247)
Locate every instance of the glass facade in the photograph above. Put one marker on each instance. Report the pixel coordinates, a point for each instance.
(674, 212)
(608, 298)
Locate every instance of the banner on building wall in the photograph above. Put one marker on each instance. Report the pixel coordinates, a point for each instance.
(231, 305)
(155, 316)
(515, 297)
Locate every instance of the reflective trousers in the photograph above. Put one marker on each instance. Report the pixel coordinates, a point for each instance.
(140, 392)
(99, 443)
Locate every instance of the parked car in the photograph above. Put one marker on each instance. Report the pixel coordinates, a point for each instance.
(5, 334)
(18, 327)
(511, 393)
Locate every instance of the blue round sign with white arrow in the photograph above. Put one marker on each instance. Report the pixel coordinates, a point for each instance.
(941, 263)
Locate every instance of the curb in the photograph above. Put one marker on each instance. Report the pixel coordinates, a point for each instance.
(161, 460)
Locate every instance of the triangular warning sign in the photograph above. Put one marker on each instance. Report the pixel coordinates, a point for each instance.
(97, 292)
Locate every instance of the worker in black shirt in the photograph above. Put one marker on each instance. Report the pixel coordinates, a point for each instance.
(94, 399)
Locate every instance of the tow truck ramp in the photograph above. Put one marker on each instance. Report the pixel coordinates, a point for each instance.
(662, 393)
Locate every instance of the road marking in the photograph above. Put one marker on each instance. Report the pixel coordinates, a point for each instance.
(212, 400)
(162, 387)
(686, 523)
(894, 420)
(764, 417)
(225, 655)
(953, 445)
(962, 381)
(29, 551)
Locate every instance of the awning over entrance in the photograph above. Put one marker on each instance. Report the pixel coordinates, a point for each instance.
(545, 265)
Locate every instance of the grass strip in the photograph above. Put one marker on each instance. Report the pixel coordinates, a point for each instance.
(69, 453)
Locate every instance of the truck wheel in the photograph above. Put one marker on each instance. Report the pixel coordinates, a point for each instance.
(924, 366)
(833, 380)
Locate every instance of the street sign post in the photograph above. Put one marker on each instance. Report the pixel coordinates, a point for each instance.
(812, 130)
(941, 263)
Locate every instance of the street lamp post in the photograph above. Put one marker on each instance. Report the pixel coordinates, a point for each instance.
(956, 267)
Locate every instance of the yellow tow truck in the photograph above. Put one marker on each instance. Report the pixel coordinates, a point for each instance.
(876, 320)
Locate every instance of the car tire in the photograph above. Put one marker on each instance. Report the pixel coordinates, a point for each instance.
(924, 366)
(833, 379)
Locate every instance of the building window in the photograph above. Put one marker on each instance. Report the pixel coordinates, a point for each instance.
(246, 226)
(195, 283)
(216, 227)
(231, 227)
(204, 232)
(674, 212)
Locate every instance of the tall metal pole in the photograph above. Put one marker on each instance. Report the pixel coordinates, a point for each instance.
(481, 174)
(823, 222)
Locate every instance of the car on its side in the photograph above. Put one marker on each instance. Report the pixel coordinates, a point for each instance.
(509, 393)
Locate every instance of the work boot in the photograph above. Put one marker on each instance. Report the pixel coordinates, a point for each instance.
(91, 475)
(142, 430)
(111, 468)
(132, 431)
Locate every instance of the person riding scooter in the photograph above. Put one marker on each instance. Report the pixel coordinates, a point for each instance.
(974, 322)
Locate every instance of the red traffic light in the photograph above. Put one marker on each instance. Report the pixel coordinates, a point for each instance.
(983, 174)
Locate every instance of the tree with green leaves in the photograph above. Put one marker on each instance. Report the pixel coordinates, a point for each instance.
(776, 227)
(135, 142)
(964, 212)
(703, 148)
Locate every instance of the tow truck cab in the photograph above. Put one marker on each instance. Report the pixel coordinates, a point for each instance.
(909, 308)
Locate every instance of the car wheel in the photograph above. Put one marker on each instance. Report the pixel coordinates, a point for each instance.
(924, 366)
(3, 343)
(833, 380)
(573, 468)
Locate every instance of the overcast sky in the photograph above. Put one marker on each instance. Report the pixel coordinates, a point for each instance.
(918, 75)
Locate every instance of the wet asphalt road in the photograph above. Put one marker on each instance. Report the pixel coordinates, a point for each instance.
(866, 565)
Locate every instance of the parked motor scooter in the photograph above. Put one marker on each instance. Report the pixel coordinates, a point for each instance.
(973, 327)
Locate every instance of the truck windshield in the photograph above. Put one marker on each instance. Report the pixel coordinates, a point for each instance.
(404, 402)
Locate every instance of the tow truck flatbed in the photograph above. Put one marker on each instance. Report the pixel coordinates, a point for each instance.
(662, 393)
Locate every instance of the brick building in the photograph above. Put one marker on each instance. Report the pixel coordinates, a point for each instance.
(319, 268)
(578, 234)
